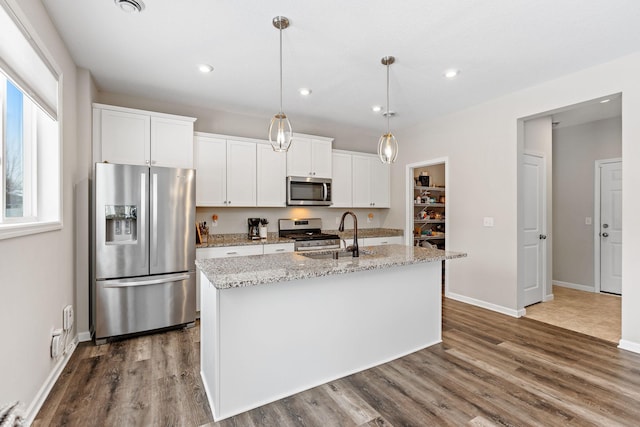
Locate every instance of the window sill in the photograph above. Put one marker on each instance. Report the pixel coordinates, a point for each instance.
(9, 231)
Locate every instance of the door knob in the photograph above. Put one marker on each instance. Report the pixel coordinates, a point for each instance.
(605, 234)
(542, 236)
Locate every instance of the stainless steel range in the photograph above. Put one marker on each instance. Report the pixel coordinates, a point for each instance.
(307, 234)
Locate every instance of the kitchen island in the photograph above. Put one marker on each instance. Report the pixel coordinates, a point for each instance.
(275, 325)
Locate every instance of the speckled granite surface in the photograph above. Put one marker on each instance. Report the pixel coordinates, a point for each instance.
(240, 239)
(253, 270)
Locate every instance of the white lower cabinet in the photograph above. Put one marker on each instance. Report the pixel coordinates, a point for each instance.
(278, 248)
(232, 251)
(377, 241)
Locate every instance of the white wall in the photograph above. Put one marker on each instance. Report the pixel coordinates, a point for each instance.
(575, 150)
(37, 271)
(483, 147)
(86, 93)
(538, 140)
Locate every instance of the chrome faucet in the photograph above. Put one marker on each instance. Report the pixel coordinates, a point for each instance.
(353, 248)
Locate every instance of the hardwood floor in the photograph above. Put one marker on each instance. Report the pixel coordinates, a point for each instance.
(490, 370)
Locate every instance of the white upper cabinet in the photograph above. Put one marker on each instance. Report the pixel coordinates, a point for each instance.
(381, 185)
(241, 173)
(171, 142)
(271, 177)
(225, 171)
(137, 137)
(341, 180)
(370, 182)
(211, 171)
(309, 156)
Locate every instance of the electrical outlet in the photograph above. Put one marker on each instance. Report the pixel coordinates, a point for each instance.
(56, 342)
(67, 318)
(337, 220)
(587, 221)
(488, 221)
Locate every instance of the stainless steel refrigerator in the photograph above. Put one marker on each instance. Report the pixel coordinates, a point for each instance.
(143, 249)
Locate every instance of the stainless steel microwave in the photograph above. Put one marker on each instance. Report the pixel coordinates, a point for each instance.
(308, 191)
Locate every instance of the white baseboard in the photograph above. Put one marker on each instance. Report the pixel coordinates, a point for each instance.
(629, 346)
(577, 286)
(549, 297)
(44, 391)
(487, 305)
(84, 336)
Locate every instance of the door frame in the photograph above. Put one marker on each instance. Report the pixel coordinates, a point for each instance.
(596, 219)
(408, 229)
(547, 295)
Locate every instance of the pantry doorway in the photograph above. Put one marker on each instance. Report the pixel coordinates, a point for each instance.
(427, 196)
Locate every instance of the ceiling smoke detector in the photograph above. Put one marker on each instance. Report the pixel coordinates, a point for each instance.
(130, 6)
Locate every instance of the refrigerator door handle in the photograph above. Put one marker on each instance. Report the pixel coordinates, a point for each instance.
(124, 283)
(143, 219)
(154, 220)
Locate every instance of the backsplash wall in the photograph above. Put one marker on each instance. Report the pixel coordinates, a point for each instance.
(234, 220)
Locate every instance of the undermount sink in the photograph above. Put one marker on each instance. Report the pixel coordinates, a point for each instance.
(341, 254)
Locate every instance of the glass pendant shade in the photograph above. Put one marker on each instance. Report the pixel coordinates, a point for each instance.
(387, 144)
(387, 148)
(280, 132)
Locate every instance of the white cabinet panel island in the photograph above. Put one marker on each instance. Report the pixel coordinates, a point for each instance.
(275, 325)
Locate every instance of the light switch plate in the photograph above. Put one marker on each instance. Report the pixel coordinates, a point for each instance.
(488, 221)
(587, 221)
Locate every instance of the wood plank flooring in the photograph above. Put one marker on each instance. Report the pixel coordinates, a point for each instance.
(490, 370)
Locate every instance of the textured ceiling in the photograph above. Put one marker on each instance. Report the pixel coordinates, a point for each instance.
(334, 47)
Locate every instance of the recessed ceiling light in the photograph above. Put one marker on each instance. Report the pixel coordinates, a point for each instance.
(304, 91)
(130, 6)
(205, 68)
(376, 108)
(604, 101)
(452, 73)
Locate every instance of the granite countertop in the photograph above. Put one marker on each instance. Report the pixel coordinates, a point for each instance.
(240, 239)
(253, 270)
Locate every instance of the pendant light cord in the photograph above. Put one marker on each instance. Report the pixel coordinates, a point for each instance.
(388, 112)
(280, 69)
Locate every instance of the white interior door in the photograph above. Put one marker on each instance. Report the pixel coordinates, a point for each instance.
(611, 227)
(534, 233)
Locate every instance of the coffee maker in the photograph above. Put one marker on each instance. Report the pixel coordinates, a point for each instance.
(254, 228)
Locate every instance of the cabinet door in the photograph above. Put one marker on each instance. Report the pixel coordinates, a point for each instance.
(171, 142)
(379, 183)
(124, 137)
(299, 158)
(321, 158)
(211, 171)
(241, 173)
(341, 184)
(271, 177)
(361, 181)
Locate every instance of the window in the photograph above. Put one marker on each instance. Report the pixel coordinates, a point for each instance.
(30, 192)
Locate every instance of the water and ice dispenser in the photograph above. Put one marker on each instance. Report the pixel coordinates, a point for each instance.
(121, 224)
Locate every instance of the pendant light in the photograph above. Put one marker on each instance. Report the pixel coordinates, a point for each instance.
(280, 131)
(388, 145)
